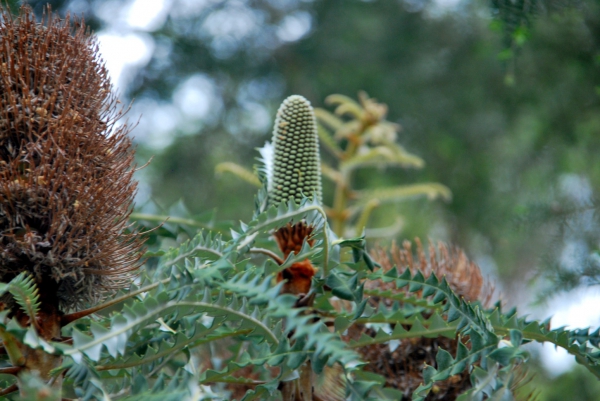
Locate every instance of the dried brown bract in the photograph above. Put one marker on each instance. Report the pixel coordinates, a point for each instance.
(402, 365)
(463, 275)
(66, 186)
(299, 275)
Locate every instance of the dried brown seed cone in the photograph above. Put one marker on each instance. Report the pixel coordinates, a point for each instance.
(463, 275)
(66, 186)
(402, 367)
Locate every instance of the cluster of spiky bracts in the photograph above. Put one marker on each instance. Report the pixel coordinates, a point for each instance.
(296, 173)
(402, 366)
(66, 185)
(299, 275)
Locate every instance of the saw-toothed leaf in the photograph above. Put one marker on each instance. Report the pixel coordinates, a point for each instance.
(346, 105)
(238, 171)
(388, 155)
(328, 141)
(330, 120)
(403, 192)
(25, 294)
(204, 245)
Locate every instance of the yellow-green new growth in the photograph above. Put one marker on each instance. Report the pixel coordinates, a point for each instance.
(296, 167)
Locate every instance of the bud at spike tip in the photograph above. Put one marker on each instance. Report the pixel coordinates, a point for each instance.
(297, 165)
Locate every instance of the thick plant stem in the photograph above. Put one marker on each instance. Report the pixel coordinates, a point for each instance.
(170, 219)
(342, 189)
(10, 389)
(364, 216)
(339, 205)
(66, 319)
(48, 322)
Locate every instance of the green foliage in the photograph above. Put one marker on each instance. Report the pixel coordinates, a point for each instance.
(210, 317)
(206, 296)
(35, 389)
(483, 140)
(25, 293)
(358, 137)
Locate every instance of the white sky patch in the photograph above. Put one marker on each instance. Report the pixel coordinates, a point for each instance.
(294, 26)
(574, 254)
(235, 21)
(110, 11)
(191, 8)
(148, 15)
(256, 117)
(439, 8)
(158, 123)
(196, 96)
(121, 51)
(576, 187)
(447, 4)
(576, 310)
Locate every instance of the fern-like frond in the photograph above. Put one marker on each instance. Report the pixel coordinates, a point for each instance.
(156, 353)
(25, 293)
(581, 343)
(385, 155)
(345, 105)
(328, 141)
(204, 245)
(168, 388)
(310, 211)
(239, 171)
(469, 317)
(330, 120)
(312, 335)
(85, 380)
(447, 365)
(436, 326)
(403, 192)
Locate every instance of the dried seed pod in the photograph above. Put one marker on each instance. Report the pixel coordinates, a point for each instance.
(66, 186)
(297, 165)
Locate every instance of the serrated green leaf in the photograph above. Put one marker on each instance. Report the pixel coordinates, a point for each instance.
(402, 193)
(25, 293)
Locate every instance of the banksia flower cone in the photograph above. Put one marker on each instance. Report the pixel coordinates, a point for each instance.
(297, 169)
(296, 173)
(66, 185)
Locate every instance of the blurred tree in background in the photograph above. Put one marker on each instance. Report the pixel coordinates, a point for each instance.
(499, 97)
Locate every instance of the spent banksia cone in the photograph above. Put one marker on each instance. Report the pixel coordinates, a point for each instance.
(402, 365)
(66, 185)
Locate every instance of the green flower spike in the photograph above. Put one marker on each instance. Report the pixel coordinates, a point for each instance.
(297, 165)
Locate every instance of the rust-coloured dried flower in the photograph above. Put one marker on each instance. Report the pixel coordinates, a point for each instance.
(299, 275)
(66, 186)
(463, 275)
